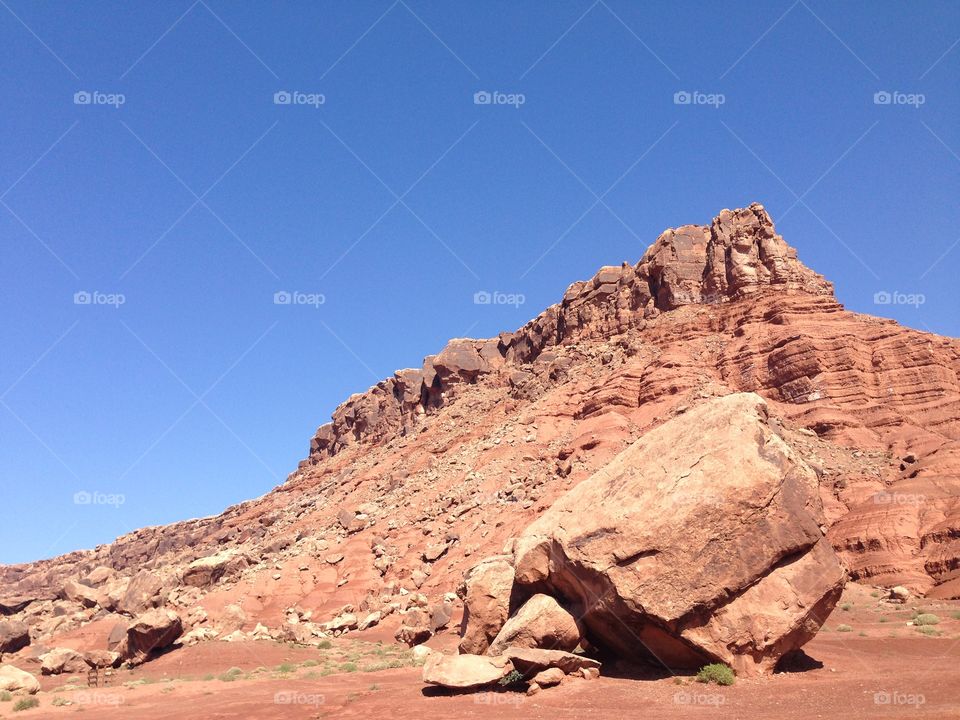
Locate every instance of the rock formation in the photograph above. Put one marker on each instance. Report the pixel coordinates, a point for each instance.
(417, 478)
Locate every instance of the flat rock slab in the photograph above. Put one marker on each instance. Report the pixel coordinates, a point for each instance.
(530, 661)
(465, 671)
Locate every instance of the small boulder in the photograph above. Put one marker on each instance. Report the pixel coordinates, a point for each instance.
(102, 658)
(464, 671)
(206, 571)
(413, 634)
(540, 623)
(79, 593)
(344, 621)
(17, 681)
(898, 594)
(370, 620)
(549, 677)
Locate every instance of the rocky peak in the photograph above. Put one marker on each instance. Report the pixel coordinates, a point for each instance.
(737, 255)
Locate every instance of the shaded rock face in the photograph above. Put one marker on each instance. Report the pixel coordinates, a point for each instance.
(700, 542)
(486, 603)
(14, 636)
(154, 630)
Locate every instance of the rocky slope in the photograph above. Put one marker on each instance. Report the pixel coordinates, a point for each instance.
(436, 467)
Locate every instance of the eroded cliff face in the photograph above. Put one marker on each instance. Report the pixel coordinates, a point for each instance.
(436, 467)
(739, 254)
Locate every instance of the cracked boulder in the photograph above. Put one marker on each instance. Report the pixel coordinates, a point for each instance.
(699, 543)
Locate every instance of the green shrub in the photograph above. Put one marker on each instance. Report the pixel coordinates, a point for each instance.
(928, 630)
(511, 678)
(230, 675)
(60, 702)
(844, 628)
(348, 667)
(25, 704)
(846, 607)
(716, 673)
(926, 619)
(883, 619)
(286, 668)
(324, 644)
(5, 696)
(309, 663)
(956, 615)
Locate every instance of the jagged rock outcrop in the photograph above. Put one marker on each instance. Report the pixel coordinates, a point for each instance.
(739, 253)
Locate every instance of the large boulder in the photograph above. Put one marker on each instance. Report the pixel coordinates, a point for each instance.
(540, 623)
(14, 635)
(700, 542)
(154, 630)
(464, 671)
(486, 603)
(206, 571)
(141, 593)
(62, 660)
(15, 680)
(79, 593)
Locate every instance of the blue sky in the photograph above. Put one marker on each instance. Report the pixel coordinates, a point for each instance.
(184, 190)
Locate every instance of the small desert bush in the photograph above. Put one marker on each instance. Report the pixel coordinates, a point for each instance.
(956, 615)
(309, 663)
(324, 645)
(511, 678)
(844, 628)
(25, 704)
(60, 702)
(716, 673)
(883, 619)
(286, 668)
(5, 696)
(348, 667)
(928, 630)
(926, 619)
(846, 607)
(230, 675)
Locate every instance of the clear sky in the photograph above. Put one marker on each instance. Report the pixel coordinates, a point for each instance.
(178, 194)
